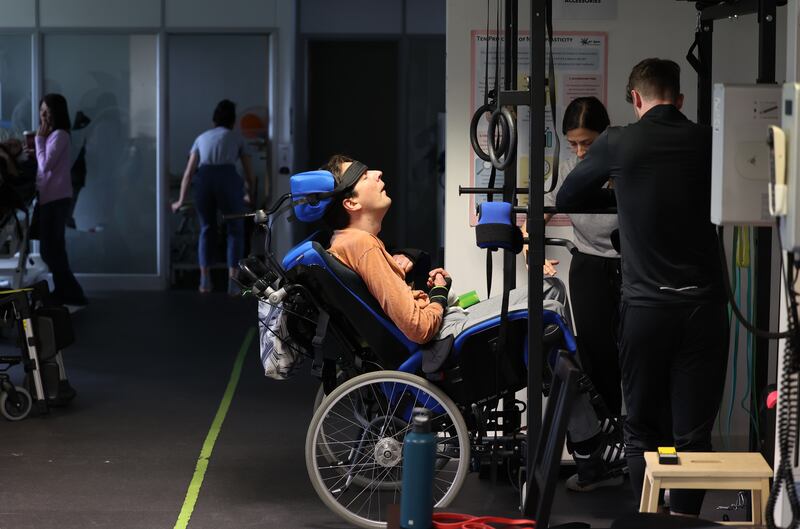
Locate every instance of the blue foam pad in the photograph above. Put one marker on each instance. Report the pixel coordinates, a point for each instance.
(495, 213)
(496, 228)
(305, 186)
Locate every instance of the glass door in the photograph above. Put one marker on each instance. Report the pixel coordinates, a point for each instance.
(203, 70)
(110, 83)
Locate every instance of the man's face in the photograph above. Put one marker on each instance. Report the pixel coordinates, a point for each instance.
(370, 190)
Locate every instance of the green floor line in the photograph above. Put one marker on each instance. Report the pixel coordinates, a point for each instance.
(208, 445)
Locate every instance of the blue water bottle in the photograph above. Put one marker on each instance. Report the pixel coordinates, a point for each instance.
(419, 458)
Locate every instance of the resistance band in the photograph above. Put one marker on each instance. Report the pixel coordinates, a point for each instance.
(448, 520)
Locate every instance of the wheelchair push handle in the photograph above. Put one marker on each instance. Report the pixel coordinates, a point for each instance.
(259, 216)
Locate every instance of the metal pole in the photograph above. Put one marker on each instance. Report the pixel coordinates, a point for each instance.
(536, 245)
(705, 44)
(763, 267)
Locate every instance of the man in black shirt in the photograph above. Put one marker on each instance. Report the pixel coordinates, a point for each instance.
(674, 326)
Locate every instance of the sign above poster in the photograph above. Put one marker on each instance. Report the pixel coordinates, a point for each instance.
(585, 9)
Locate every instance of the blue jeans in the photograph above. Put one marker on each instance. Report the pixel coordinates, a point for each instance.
(219, 187)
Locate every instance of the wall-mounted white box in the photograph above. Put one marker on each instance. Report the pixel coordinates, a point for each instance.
(789, 228)
(742, 115)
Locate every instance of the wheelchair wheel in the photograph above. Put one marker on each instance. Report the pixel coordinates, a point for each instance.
(355, 441)
(18, 407)
(325, 450)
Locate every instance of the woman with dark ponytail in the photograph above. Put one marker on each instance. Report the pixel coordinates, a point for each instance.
(594, 286)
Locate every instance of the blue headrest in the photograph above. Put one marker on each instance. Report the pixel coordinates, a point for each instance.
(313, 191)
(305, 187)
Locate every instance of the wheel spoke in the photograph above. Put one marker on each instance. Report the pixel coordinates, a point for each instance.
(355, 459)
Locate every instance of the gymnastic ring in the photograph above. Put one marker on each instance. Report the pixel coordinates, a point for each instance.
(473, 132)
(506, 119)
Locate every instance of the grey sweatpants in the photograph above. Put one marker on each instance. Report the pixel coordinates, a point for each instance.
(583, 423)
(456, 319)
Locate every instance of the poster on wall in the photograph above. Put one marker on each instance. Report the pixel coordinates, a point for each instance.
(584, 9)
(581, 68)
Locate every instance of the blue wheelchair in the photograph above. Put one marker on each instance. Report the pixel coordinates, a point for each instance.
(373, 377)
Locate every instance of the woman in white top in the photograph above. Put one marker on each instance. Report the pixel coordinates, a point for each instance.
(594, 272)
(594, 286)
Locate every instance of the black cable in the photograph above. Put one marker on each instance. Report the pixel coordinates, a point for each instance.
(552, 89)
(787, 421)
(486, 69)
(278, 204)
(742, 319)
(489, 101)
(497, 53)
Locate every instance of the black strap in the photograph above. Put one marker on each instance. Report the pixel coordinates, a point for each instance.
(328, 375)
(319, 339)
(349, 179)
(351, 176)
(486, 69)
(694, 59)
(489, 272)
(552, 89)
(499, 345)
(489, 266)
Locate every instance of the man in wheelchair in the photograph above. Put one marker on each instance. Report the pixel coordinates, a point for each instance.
(356, 214)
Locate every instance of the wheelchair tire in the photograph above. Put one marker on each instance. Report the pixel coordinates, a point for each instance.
(16, 411)
(358, 426)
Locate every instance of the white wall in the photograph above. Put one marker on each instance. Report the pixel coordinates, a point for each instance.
(351, 16)
(643, 28)
(372, 17)
(100, 13)
(18, 13)
(216, 13)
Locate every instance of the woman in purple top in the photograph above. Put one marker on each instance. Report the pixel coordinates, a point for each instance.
(54, 186)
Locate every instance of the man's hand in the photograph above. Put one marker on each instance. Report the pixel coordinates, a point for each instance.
(439, 284)
(549, 267)
(439, 277)
(176, 205)
(403, 262)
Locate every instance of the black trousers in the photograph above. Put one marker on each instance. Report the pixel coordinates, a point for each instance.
(52, 225)
(594, 292)
(674, 362)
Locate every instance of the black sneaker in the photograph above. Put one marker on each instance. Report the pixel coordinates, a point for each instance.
(605, 467)
(612, 427)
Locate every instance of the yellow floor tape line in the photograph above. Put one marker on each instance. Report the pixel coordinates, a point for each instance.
(213, 433)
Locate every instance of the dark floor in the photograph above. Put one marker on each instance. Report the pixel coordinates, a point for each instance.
(150, 370)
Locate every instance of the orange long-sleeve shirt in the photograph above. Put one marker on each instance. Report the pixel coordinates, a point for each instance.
(410, 310)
